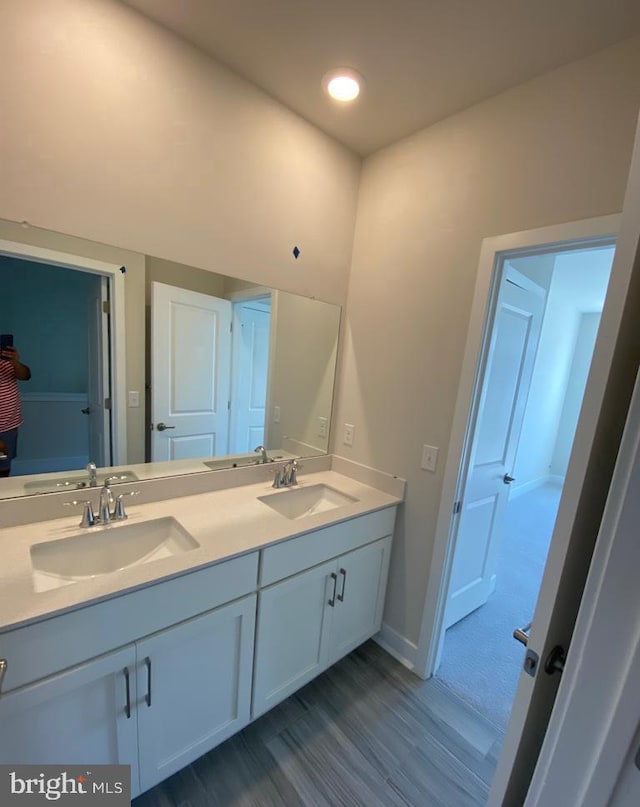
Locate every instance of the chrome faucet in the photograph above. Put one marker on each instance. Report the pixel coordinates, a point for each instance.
(106, 501)
(105, 512)
(264, 457)
(287, 475)
(93, 474)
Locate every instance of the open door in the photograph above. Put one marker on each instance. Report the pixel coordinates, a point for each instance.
(98, 412)
(190, 373)
(251, 333)
(510, 356)
(595, 450)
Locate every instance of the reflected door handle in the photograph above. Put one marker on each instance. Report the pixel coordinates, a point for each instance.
(86, 410)
(508, 479)
(162, 427)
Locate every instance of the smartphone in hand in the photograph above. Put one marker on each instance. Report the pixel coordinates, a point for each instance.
(6, 340)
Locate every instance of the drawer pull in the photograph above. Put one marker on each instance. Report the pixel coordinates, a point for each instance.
(332, 601)
(127, 708)
(343, 572)
(147, 697)
(3, 670)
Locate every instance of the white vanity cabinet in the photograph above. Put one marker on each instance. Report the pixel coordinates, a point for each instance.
(193, 688)
(316, 615)
(156, 703)
(82, 715)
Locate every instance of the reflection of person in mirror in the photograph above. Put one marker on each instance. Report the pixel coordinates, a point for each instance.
(12, 370)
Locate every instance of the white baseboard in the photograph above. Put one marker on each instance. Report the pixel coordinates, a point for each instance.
(519, 490)
(398, 646)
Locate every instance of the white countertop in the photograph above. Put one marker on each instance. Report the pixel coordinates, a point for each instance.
(225, 523)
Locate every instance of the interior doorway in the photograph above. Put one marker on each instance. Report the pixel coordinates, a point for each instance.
(528, 394)
(59, 316)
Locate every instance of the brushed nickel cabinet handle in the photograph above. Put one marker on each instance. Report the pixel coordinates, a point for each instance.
(147, 697)
(3, 670)
(332, 601)
(343, 572)
(127, 708)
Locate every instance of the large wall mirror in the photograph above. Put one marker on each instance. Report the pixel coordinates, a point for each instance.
(156, 368)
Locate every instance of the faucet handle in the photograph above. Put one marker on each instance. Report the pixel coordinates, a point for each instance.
(278, 479)
(119, 513)
(88, 516)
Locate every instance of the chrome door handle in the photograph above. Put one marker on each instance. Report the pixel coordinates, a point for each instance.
(508, 479)
(86, 410)
(522, 634)
(162, 427)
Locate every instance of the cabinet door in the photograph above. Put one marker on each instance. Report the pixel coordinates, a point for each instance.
(194, 687)
(362, 582)
(83, 715)
(291, 638)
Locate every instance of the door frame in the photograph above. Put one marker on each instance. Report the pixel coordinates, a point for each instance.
(117, 338)
(598, 231)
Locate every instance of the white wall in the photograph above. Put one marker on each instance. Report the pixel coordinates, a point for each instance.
(578, 284)
(115, 130)
(302, 388)
(576, 382)
(555, 149)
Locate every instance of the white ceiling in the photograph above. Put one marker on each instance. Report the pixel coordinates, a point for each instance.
(422, 59)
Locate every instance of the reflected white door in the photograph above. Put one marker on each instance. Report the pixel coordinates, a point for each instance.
(190, 373)
(250, 373)
(508, 369)
(98, 375)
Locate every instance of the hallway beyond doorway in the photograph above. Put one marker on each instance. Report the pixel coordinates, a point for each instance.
(481, 661)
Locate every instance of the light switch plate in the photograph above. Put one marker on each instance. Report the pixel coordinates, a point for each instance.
(429, 458)
(276, 414)
(347, 437)
(133, 398)
(322, 427)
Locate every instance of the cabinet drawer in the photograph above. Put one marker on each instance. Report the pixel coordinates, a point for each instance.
(46, 647)
(304, 551)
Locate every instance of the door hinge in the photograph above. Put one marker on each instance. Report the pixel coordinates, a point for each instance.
(228, 404)
(107, 403)
(457, 507)
(106, 307)
(231, 327)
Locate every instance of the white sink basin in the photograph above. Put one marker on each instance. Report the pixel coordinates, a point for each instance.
(302, 502)
(75, 482)
(102, 550)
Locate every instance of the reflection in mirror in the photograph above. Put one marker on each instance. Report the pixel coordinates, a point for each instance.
(228, 366)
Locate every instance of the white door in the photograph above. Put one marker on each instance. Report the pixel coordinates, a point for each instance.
(194, 688)
(508, 369)
(292, 634)
(250, 373)
(591, 754)
(98, 376)
(362, 577)
(190, 373)
(83, 715)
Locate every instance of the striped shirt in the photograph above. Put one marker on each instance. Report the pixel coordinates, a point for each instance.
(10, 414)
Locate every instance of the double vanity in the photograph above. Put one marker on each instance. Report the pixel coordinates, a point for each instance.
(150, 640)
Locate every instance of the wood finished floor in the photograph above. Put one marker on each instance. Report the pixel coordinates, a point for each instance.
(366, 732)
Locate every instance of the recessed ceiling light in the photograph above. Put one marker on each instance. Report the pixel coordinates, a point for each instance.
(343, 84)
